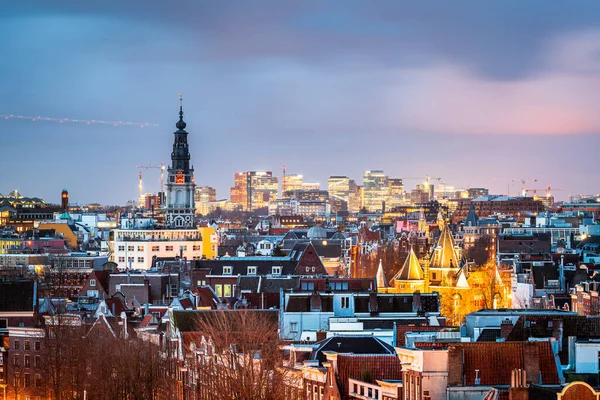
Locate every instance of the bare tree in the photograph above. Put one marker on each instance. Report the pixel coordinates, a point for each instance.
(239, 356)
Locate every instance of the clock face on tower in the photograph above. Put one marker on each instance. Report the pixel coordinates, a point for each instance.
(179, 178)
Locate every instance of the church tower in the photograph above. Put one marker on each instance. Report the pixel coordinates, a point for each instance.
(180, 184)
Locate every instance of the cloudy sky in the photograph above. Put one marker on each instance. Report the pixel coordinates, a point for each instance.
(475, 92)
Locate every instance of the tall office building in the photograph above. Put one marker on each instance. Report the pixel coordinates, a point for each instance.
(396, 195)
(375, 190)
(339, 192)
(180, 184)
(254, 189)
(354, 197)
(289, 183)
(205, 194)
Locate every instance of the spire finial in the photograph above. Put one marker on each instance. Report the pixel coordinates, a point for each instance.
(181, 123)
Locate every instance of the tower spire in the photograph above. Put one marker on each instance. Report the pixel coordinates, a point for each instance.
(181, 123)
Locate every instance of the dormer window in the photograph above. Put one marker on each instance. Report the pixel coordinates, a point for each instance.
(276, 270)
(227, 270)
(251, 270)
(92, 282)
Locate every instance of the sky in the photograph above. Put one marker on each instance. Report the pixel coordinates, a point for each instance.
(478, 93)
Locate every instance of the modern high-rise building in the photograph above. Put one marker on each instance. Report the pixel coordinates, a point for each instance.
(205, 198)
(396, 195)
(354, 197)
(205, 194)
(180, 186)
(375, 190)
(290, 183)
(339, 192)
(254, 189)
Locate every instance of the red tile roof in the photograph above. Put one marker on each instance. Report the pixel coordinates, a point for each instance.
(115, 306)
(360, 366)
(186, 304)
(146, 321)
(496, 360)
(208, 297)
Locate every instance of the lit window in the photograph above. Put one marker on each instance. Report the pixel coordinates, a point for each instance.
(140, 248)
(155, 248)
(219, 290)
(226, 290)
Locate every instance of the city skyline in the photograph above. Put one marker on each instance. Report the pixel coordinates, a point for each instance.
(325, 90)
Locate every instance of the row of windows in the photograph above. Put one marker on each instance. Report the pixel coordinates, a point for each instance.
(225, 290)
(26, 361)
(26, 380)
(157, 248)
(131, 259)
(276, 270)
(369, 392)
(26, 345)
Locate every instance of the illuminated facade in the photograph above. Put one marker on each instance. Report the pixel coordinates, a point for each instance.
(254, 189)
(204, 197)
(309, 186)
(136, 248)
(396, 195)
(290, 183)
(339, 192)
(180, 186)
(375, 190)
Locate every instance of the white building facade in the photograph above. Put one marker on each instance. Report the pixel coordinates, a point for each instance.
(136, 249)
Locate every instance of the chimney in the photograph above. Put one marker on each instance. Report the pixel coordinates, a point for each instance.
(505, 328)
(416, 305)
(518, 385)
(373, 302)
(315, 301)
(557, 332)
(321, 335)
(124, 318)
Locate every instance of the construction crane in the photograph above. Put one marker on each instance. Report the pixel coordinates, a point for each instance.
(548, 190)
(427, 179)
(162, 172)
(523, 188)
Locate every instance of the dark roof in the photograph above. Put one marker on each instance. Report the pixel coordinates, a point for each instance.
(352, 344)
(543, 273)
(393, 303)
(115, 305)
(18, 295)
(102, 279)
(489, 335)
(240, 265)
